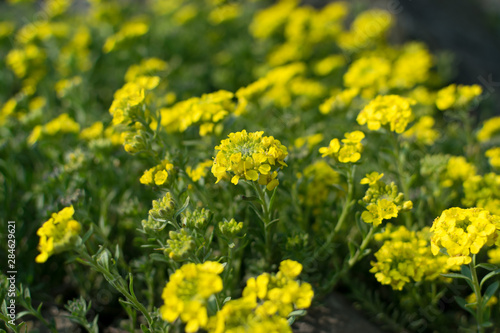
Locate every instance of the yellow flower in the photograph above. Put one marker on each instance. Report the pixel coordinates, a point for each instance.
(199, 171)
(483, 191)
(58, 234)
(93, 132)
(339, 101)
(157, 175)
(491, 127)
(453, 96)
(494, 255)
(422, 131)
(371, 72)
(349, 152)
(390, 110)
(186, 294)
(405, 256)
(372, 178)
(494, 156)
(250, 156)
(463, 232)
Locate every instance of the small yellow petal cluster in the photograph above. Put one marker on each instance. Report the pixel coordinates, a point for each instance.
(187, 292)
(392, 110)
(62, 124)
(25, 59)
(58, 234)
(321, 177)
(422, 131)
(65, 86)
(250, 156)
(157, 175)
(163, 210)
(367, 29)
(368, 72)
(494, 157)
(491, 127)
(382, 201)
(92, 132)
(327, 65)
(411, 67)
(310, 141)
(463, 232)
(349, 151)
(269, 20)
(266, 303)
(179, 245)
(457, 170)
(472, 299)
(457, 97)
(339, 101)
(494, 255)
(200, 171)
(128, 99)
(131, 29)
(147, 67)
(206, 111)
(483, 191)
(406, 256)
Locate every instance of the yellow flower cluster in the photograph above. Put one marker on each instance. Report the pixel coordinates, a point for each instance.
(491, 127)
(406, 256)
(390, 110)
(200, 171)
(269, 20)
(58, 234)
(457, 97)
(411, 67)
(179, 245)
(162, 211)
(147, 67)
(483, 191)
(75, 55)
(266, 303)
(349, 152)
(368, 72)
(367, 30)
(494, 157)
(250, 156)
(309, 141)
(321, 177)
(463, 232)
(128, 99)
(339, 101)
(494, 255)
(62, 124)
(276, 87)
(206, 111)
(130, 30)
(422, 131)
(157, 175)
(187, 292)
(327, 65)
(25, 59)
(64, 86)
(382, 201)
(457, 170)
(92, 132)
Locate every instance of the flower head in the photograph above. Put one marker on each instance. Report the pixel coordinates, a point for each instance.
(392, 110)
(250, 156)
(187, 293)
(463, 232)
(349, 152)
(58, 234)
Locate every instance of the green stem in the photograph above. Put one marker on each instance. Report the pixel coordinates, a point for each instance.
(477, 291)
(116, 282)
(348, 203)
(266, 220)
(403, 180)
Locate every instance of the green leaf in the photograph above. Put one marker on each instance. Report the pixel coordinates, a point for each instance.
(352, 248)
(466, 271)
(463, 304)
(88, 234)
(298, 313)
(490, 291)
(489, 275)
(489, 267)
(145, 329)
(183, 208)
(456, 276)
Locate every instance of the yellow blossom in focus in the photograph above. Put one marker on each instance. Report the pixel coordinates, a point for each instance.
(392, 110)
(187, 292)
(349, 151)
(250, 156)
(463, 232)
(58, 234)
(157, 175)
